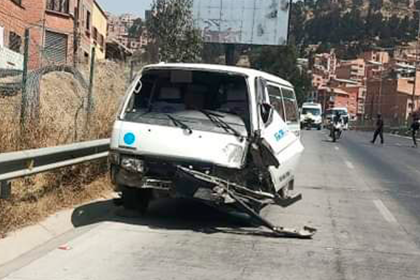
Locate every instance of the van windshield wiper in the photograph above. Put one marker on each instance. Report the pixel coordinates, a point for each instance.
(218, 120)
(180, 124)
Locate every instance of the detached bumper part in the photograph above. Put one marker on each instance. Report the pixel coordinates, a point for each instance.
(244, 197)
(286, 197)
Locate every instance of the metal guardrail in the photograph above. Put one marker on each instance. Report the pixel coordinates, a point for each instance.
(26, 163)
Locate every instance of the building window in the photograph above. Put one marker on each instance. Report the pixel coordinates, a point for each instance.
(88, 20)
(95, 34)
(19, 2)
(15, 42)
(102, 41)
(55, 50)
(61, 6)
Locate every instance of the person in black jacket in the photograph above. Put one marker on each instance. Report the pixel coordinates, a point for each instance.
(379, 130)
(415, 126)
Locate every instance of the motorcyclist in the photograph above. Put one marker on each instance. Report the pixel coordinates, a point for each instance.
(336, 119)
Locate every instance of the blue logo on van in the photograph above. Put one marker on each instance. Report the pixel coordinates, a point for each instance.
(129, 138)
(279, 135)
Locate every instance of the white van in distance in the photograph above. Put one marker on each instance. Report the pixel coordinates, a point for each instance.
(211, 132)
(311, 115)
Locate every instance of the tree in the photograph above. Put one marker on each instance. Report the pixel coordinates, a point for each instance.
(172, 32)
(297, 21)
(136, 29)
(282, 61)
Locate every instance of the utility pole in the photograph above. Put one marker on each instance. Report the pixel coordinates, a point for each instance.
(76, 33)
(415, 65)
(289, 26)
(379, 107)
(25, 99)
(230, 54)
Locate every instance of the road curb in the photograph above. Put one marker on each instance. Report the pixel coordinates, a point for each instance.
(24, 240)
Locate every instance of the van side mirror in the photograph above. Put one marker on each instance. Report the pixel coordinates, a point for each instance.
(266, 113)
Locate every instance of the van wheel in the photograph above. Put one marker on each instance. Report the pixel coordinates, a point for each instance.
(136, 199)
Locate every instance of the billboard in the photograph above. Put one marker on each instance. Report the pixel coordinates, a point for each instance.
(256, 22)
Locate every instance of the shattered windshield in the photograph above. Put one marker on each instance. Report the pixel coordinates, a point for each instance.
(186, 95)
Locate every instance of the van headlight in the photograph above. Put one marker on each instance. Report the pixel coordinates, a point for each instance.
(234, 153)
(114, 158)
(132, 164)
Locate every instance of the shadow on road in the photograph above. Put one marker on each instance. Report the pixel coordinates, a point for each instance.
(170, 214)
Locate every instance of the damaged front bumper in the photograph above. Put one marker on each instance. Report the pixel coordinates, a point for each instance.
(191, 183)
(244, 198)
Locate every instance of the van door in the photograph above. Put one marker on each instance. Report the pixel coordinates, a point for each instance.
(276, 143)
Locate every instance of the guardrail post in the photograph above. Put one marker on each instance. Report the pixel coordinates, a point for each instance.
(5, 189)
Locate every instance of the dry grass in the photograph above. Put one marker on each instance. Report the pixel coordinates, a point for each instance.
(15, 214)
(62, 120)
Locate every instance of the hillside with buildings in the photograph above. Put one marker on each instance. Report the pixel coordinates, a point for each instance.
(377, 81)
(128, 32)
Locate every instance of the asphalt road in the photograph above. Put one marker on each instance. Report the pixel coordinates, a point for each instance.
(362, 198)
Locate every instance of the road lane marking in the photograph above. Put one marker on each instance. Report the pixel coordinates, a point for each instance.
(385, 212)
(337, 148)
(349, 164)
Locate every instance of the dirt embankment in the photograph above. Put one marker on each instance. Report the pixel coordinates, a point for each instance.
(63, 104)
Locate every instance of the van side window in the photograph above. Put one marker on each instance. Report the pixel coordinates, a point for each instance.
(290, 105)
(276, 100)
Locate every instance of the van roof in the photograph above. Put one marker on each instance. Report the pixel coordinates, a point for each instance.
(222, 68)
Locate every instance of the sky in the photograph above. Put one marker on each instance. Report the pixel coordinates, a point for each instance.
(136, 7)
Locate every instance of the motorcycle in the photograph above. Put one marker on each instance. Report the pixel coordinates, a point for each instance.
(336, 130)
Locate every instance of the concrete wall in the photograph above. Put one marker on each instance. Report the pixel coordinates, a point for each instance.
(10, 59)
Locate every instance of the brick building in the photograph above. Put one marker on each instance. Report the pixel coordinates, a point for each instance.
(100, 25)
(118, 29)
(84, 27)
(51, 24)
(51, 29)
(392, 98)
(381, 57)
(330, 97)
(351, 70)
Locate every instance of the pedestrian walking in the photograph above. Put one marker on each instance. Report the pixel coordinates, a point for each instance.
(379, 130)
(415, 126)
